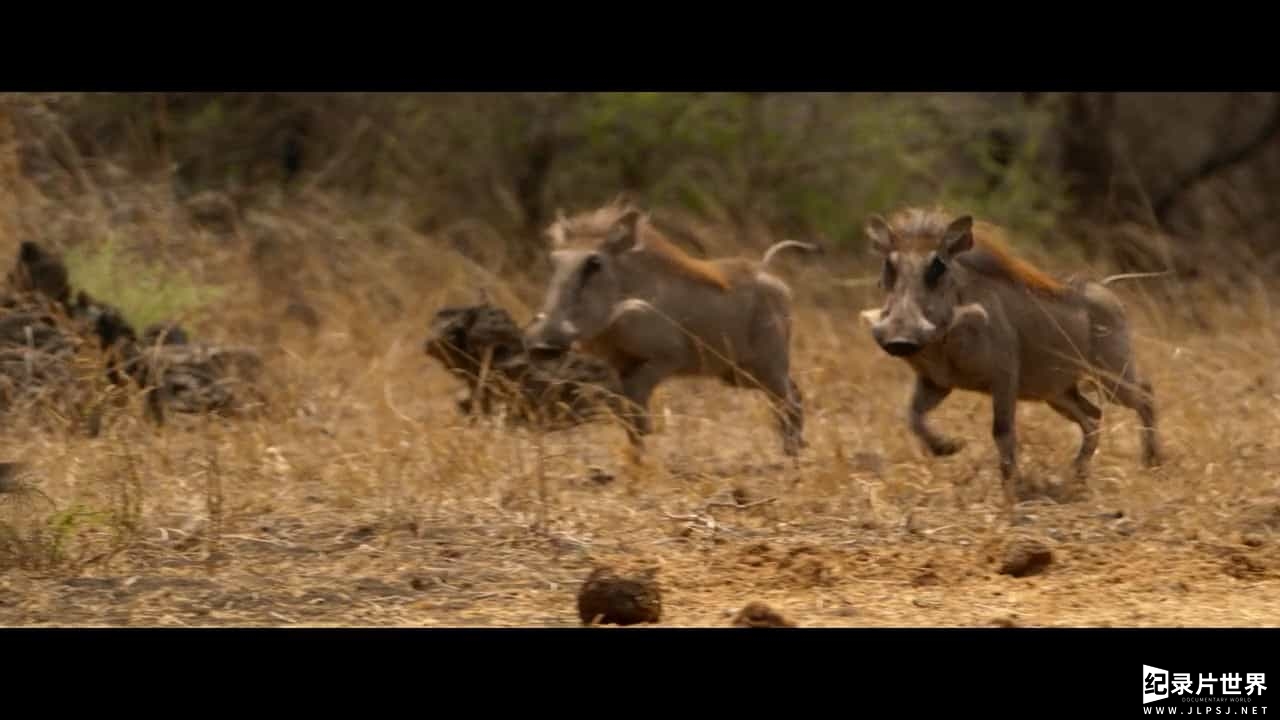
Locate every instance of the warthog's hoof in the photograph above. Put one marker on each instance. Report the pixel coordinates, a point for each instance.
(946, 446)
(1152, 458)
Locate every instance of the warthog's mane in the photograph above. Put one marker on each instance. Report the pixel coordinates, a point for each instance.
(919, 230)
(590, 227)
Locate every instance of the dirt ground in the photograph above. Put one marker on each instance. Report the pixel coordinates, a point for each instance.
(368, 501)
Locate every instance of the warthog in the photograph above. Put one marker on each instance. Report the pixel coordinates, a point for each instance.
(627, 294)
(965, 313)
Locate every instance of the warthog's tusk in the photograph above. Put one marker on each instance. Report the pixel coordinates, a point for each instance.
(968, 313)
(872, 316)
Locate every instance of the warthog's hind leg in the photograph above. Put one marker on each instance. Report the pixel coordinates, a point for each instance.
(1077, 408)
(788, 405)
(1136, 394)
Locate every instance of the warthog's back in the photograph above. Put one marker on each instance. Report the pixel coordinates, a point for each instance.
(1053, 341)
(721, 326)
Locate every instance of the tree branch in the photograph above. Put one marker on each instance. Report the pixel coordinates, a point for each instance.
(1218, 162)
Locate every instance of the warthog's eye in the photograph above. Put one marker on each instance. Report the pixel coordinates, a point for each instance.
(889, 276)
(590, 267)
(933, 273)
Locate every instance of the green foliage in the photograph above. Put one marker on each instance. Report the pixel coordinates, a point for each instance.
(813, 163)
(144, 293)
(44, 543)
(802, 163)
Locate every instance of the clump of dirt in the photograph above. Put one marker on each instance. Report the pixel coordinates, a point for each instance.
(925, 578)
(608, 597)
(1024, 557)
(1244, 567)
(808, 568)
(758, 555)
(803, 565)
(758, 614)
(1065, 492)
(10, 480)
(1260, 518)
(868, 462)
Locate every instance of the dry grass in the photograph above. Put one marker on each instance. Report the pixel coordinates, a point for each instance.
(362, 498)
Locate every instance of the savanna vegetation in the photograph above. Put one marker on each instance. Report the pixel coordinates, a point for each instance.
(325, 230)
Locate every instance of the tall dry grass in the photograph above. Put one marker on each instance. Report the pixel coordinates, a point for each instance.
(361, 497)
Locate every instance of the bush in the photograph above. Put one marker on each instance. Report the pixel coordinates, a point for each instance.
(145, 293)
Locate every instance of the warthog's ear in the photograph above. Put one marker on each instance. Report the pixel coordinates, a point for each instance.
(880, 234)
(957, 238)
(623, 236)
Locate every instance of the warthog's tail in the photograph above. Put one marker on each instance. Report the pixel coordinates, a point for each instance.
(788, 244)
(1129, 276)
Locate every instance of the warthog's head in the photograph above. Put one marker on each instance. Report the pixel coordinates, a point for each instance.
(920, 282)
(585, 286)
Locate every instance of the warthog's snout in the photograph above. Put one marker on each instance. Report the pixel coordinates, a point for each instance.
(903, 330)
(549, 340)
(901, 348)
(901, 339)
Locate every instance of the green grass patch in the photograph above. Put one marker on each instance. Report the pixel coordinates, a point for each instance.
(145, 293)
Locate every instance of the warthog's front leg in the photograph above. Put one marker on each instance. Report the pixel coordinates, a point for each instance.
(638, 386)
(1004, 406)
(1077, 408)
(926, 397)
(655, 347)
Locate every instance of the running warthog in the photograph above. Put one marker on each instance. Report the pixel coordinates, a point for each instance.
(629, 295)
(965, 313)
